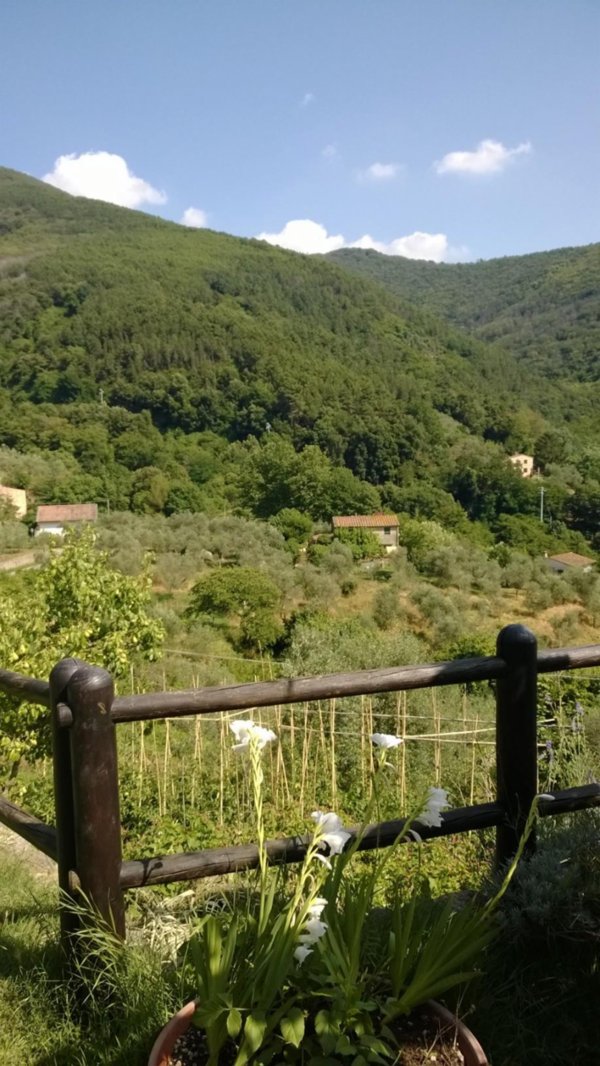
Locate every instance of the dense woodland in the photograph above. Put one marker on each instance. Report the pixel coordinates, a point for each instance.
(163, 370)
(544, 307)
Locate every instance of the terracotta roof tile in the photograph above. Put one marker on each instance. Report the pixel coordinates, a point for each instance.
(67, 512)
(364, 521)
(572, 559)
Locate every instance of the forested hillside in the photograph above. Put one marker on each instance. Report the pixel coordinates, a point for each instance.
(544, 308)
(162, 369)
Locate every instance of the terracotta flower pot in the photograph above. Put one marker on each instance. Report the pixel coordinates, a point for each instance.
(472, 1051)
(168, 1037)
(470, 1047)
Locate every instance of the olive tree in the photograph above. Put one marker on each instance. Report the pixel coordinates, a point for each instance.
(76, 605)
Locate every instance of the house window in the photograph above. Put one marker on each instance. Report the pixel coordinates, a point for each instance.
(387, 530)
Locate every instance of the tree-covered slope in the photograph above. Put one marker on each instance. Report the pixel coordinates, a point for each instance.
(210, 332)
(544, 307)
(158, 368)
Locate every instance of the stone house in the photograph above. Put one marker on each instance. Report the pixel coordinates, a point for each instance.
(384, 526)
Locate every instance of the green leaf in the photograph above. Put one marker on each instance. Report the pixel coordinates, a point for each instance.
(344, 1046)
(254, 1031)
(292, 1027)
(234, 1023)
(323, 1022)
(328, 1042)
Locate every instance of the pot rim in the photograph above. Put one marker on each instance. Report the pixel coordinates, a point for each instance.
(179, 1024)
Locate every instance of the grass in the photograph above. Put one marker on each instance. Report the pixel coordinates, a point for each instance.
(41, 1018)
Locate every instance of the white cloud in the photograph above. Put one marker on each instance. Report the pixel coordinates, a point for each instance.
(304, 235)
(489, 157)
(416, 245)
(102, 176)
(379, 172)
(308, 98)
(194, 217)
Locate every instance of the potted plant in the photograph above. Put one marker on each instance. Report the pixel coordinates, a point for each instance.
(316, 973)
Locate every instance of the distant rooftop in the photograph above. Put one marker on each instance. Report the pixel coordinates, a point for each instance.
(67, 512)
(572, 559)
(364, 521)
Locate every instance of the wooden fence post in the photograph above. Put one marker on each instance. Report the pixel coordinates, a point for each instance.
(63, 795)
(97, 824)
(516, 736)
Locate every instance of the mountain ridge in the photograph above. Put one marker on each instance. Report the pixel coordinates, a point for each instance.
(156, 340)
(544, 307)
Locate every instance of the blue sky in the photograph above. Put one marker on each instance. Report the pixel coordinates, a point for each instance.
(446, 129)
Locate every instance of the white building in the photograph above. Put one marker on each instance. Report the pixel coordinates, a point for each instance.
(16, 497)
(56, 518)
(570, 561)
(523, 462)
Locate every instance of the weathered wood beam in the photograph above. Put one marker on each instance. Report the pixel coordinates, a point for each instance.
(303, 689)
(218, 861)
(26, 688)
(42, 836)
(154, 705)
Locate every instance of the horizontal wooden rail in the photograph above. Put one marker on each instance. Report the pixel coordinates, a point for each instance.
(557, 659)
(357, 683)
(42, 836)
(303, 689)
(218, 861)
(26, 688)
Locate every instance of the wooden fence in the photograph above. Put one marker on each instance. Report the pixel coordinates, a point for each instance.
(86, 843)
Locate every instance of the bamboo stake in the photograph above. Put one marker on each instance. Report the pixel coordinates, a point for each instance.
(293, 745)
(157, 765)
(141, 764)
(363, 754)
(370, 731)
(332, 742)
(473, 760)
(166, 760)
(437, 748)
(278, 756)
(221, 768)
(403, 752)
(284, 776)
(306, 736)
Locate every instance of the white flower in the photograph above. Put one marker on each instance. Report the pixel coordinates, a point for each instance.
(386, 740)
(301, 953)
(437, 800)
(245, 730)
(313, 930)
(317, 907)
(332, 833)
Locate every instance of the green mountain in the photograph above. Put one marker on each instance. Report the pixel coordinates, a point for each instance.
(543, 308)
(163, 368)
